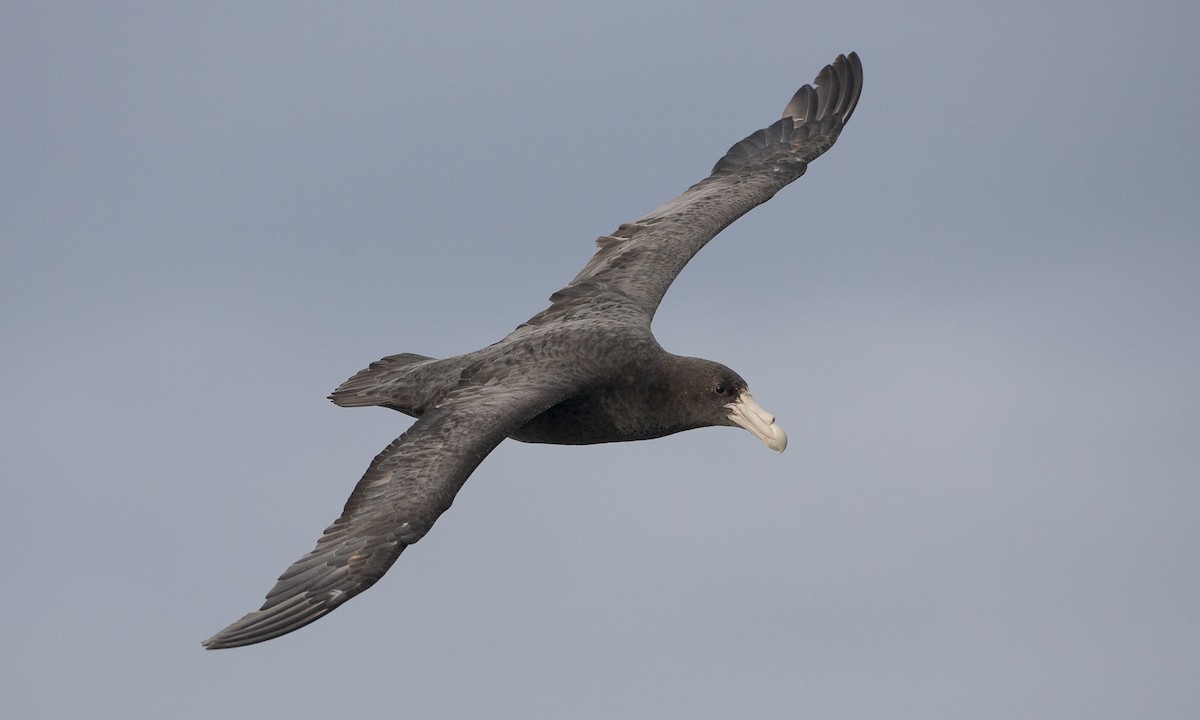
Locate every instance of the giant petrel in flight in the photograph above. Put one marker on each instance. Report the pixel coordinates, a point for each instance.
(587, 369)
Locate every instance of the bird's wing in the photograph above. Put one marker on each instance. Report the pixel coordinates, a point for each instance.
(403, 492)
(640, 260)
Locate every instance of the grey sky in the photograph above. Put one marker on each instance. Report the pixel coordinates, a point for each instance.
(977, 318)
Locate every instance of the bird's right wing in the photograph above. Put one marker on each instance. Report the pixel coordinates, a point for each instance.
(405, 489)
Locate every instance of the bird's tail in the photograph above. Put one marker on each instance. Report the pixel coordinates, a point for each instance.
(384, 383)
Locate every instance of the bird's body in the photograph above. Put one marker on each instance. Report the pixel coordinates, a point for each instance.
(585, 370)
(612, 385)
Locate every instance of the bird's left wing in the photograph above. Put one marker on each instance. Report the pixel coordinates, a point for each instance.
(639, 261)
(405, 489)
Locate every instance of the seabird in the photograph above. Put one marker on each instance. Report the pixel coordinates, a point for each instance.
(587, 369)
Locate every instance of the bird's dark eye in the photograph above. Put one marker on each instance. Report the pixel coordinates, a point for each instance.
(721, 388)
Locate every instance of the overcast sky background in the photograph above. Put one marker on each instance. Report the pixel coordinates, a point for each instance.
(978, 318)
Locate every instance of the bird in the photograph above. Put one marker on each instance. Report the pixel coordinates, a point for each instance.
(586, 369)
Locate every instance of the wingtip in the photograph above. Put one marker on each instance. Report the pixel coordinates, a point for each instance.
(269, 623)
(834, 91)
(850, 68)
(811, 122)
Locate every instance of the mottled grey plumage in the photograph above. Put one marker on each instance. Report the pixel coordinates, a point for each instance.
(584, 370)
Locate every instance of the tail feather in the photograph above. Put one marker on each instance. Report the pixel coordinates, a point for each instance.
(377, 384)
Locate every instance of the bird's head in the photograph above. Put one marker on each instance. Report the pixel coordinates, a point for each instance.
(719, 396)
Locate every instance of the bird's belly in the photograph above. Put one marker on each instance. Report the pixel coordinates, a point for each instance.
(582, 421)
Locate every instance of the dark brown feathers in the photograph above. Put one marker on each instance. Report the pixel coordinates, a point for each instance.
(586, 369)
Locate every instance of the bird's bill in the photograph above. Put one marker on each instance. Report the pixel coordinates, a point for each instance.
(749, 414)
